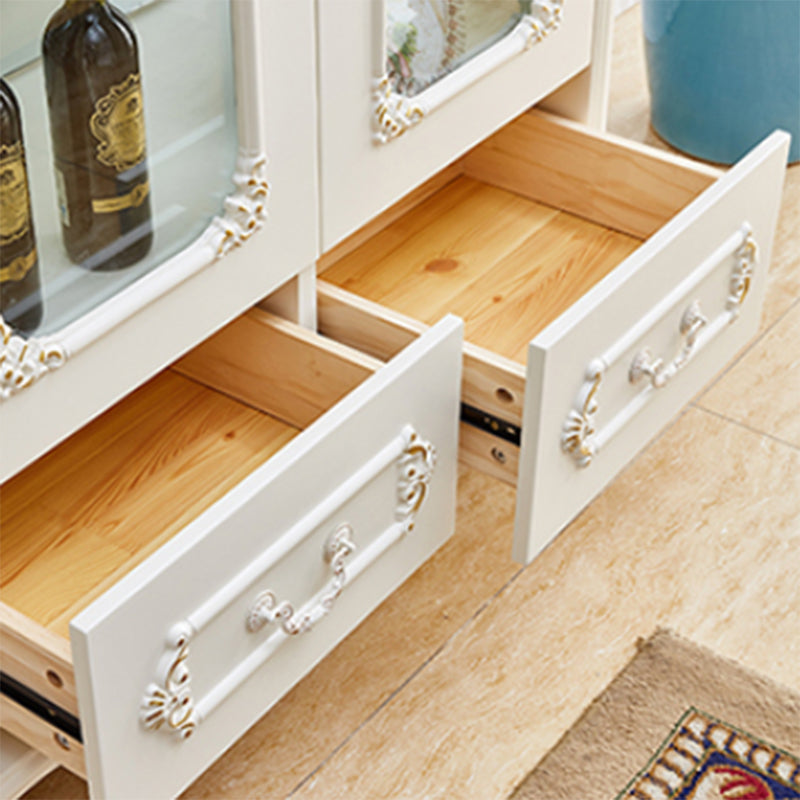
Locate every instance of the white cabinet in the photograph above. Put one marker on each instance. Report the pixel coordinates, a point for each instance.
(233, 185)
(207, 532)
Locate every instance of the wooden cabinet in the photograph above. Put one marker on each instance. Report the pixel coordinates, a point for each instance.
(225, 494)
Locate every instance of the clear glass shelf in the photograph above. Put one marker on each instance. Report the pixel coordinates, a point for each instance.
(186, 62)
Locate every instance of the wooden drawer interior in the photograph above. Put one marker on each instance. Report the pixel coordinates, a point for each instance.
(508, 239)
(89, 511)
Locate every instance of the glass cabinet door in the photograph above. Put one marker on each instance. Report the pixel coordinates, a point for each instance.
(207, 151)
(406, 87)
(184, 136)
(428, 39)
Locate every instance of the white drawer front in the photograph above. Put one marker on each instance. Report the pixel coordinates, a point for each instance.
(607, 375)
(375, 146)
(187, 651)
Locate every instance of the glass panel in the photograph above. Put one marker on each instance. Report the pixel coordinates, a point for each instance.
(427, 39)
(187, 88)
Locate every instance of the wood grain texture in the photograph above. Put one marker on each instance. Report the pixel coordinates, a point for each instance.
(21, 766)
(278, 367)
(36, 733)
(363, 324)
(490, 382)
(393, 213)
(116, 490)
(598, 176)
(505, 264)
(486, 452)
(40, 659)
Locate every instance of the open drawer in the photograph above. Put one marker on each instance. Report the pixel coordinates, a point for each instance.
(208, 539)
(602, 284)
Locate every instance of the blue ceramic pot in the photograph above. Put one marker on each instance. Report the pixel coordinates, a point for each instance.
(723, 74)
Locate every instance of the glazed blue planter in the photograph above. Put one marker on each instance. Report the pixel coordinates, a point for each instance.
(723, 74)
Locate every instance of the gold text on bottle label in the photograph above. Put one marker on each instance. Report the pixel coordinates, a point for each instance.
(118, 125)
(14, 204)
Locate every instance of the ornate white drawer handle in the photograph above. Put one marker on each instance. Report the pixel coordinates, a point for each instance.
(267, 609)
(581, 437)
(169, 703)
(644, 364)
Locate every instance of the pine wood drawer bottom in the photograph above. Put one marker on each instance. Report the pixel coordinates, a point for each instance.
(602, 283)
(260, 497)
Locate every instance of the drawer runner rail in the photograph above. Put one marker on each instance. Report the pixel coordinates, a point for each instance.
(44, 709)
(491, 424)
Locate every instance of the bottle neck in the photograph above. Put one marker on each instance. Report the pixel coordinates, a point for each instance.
(83, 5)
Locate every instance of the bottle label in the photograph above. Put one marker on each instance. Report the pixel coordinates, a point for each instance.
(132, 199)
(14, 201)
(118, 125)
(19, 267)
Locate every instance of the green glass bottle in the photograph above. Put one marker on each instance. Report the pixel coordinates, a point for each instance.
(20, 287)
(94, 97)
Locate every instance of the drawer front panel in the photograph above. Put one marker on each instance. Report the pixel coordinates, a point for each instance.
(607, 375)
(186, 652)
(377, 145)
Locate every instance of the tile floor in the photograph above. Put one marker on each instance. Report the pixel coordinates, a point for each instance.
(460, 682)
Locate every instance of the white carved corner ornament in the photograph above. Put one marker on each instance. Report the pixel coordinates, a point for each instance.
(746, 261)
(394, 113)
(544, 18)
(245, 209)
(416, 465)
(23, 361)
(168, 703)
(578, 431)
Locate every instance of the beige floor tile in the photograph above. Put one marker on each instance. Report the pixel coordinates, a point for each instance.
(783, 286)
(701, 537)
(762, 390)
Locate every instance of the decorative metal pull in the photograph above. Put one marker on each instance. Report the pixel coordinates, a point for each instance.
(267, 609)
(581, 436)
(645, 365)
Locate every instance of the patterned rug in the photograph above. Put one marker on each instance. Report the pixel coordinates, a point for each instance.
(678, 723)
(704, 758)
